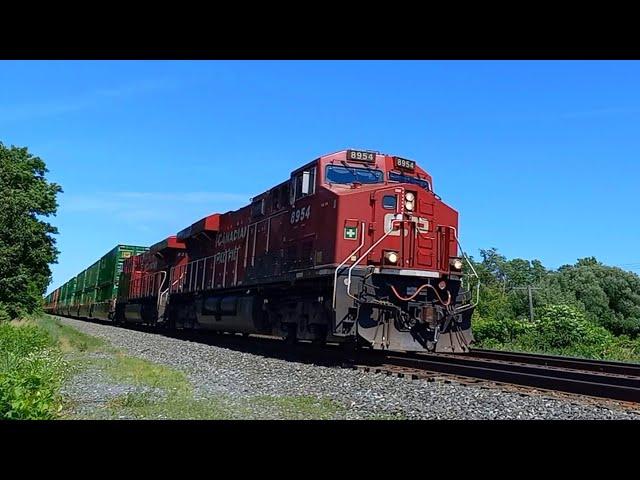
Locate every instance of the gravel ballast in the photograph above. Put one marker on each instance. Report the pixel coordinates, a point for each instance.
(218, 372)
(91, 389)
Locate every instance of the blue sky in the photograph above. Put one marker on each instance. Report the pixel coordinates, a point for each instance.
(540, 158)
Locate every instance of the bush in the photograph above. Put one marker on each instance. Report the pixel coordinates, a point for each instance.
(623, 348)
(621, 326)
(31, 372)
(562, 326)
(4, 315)
(498, 330)
(22, 340)
(488, 329)
(559, 329)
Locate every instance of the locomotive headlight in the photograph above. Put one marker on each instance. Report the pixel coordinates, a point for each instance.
(392, 257)
(410, 196)
(408, 205)
(456, 264)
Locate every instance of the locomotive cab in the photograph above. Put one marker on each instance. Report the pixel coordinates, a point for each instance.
(398, 282)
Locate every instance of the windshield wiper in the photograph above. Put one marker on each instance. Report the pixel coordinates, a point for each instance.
(351, 169)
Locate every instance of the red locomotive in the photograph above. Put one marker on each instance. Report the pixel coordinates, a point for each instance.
(354, 247)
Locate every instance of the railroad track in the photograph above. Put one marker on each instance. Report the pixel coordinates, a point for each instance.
(607, 380)
(617, 381)
(602, 366)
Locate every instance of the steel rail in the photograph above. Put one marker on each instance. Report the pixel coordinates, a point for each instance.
(535, 376)
(604, 366)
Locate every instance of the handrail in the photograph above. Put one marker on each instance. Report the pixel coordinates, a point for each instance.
(199, 267)
(144, 286)
(455, 235)
(164, 276)
(367, 253)
(335, 275)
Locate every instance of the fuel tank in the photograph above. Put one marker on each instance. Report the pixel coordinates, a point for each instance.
(237, 313)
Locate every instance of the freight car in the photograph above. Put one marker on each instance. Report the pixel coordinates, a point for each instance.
(92, 293)
(355, 247)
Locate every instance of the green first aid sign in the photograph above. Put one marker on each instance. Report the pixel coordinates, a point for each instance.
(350, 233)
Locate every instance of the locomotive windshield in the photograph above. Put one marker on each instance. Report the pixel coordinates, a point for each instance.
(398, 177)
(336, 174)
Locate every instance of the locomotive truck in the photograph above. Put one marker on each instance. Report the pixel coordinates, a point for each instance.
(355, 247)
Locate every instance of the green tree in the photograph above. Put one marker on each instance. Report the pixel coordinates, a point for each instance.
(502, 281)
(609, 295)
(27, 245)
(586, 309)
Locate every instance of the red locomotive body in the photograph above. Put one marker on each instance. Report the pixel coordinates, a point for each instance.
(355, 247)
(145, 281)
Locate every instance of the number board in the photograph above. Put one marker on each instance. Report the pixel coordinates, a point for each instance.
(360, 156)
(404, 164)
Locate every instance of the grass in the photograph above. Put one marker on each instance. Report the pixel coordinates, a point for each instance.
(171, 394)
(172, 407)
(183, 406)
(171, 397)
(69, 339)
(32, 369)
(164, 392)
(174, 399)
(142, 372)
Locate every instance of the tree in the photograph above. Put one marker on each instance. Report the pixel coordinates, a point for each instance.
(27, 246)
(493, 264)
(609, 295)
(606, 295)
(503, 284)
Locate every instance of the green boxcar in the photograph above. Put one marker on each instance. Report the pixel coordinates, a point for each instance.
(90, 285)
(71, 292)
(63, 294)
(110, 268)
(79, 287)
(89, 296)
(91, 277)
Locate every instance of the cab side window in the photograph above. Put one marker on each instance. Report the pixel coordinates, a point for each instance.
(284, 195)
(389, 202)
(257, 208)
(304, 183)
(275, 200)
